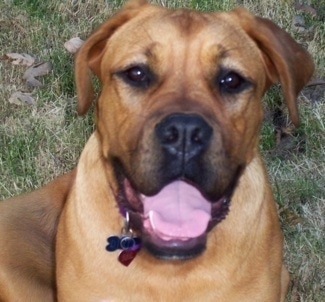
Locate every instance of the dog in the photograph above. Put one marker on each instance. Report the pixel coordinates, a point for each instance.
(170, 200)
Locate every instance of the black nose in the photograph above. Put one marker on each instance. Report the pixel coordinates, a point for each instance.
(184, 136)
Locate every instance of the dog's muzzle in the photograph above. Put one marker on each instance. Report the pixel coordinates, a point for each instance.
(174, 220)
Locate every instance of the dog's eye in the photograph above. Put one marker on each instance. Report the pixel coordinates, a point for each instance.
(137, 76)
(232, 82)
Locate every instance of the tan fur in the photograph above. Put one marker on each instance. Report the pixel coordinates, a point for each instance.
(28, 226)
(243, 256)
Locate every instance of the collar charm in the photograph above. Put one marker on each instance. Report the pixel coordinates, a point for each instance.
(127, 242)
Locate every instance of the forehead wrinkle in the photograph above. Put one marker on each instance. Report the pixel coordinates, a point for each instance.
(188, 21)
(229, 43)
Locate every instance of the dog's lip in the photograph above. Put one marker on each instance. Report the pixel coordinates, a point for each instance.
(174, 249)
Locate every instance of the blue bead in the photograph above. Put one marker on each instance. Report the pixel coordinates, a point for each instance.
(126, 243)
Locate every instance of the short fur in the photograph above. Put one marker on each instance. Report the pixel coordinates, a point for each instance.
(186, 51)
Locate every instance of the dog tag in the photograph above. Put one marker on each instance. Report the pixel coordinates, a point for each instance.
(113, 243)
(127, 256)
(127, 242)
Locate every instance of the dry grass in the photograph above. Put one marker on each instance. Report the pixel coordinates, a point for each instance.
(42, 141)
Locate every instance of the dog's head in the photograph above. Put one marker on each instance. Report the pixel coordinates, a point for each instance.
(180, 109)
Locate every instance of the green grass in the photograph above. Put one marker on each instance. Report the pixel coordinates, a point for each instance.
(39, 142)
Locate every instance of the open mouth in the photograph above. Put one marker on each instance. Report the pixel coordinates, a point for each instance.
(173, 223)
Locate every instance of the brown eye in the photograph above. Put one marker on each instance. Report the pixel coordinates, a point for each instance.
(232, 82)
(137, 76)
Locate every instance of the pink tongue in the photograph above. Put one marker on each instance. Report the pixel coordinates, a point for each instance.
(178, 211)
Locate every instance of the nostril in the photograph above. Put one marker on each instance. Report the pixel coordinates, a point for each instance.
(171, 135)
(197, 136)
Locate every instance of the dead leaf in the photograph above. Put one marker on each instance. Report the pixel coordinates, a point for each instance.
(73, 44)
(22, 98)
(315, 82)
(298, 24)
(38, 70)
(23, 59)
(291, 218)
(299, 21)
(305, 8)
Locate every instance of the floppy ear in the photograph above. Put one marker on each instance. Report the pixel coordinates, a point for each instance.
(285, 60)
(89, 56)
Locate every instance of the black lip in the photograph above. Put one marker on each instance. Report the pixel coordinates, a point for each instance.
(174, 249)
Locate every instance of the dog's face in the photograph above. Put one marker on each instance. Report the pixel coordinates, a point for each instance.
(175, 117)
(178, 117)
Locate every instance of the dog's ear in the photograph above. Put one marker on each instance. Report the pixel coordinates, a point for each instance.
(285, 60)
(89, 56)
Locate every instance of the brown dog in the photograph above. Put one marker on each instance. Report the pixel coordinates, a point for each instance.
(174, 162)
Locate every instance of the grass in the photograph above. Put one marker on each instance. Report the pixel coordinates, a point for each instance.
(39, 142)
